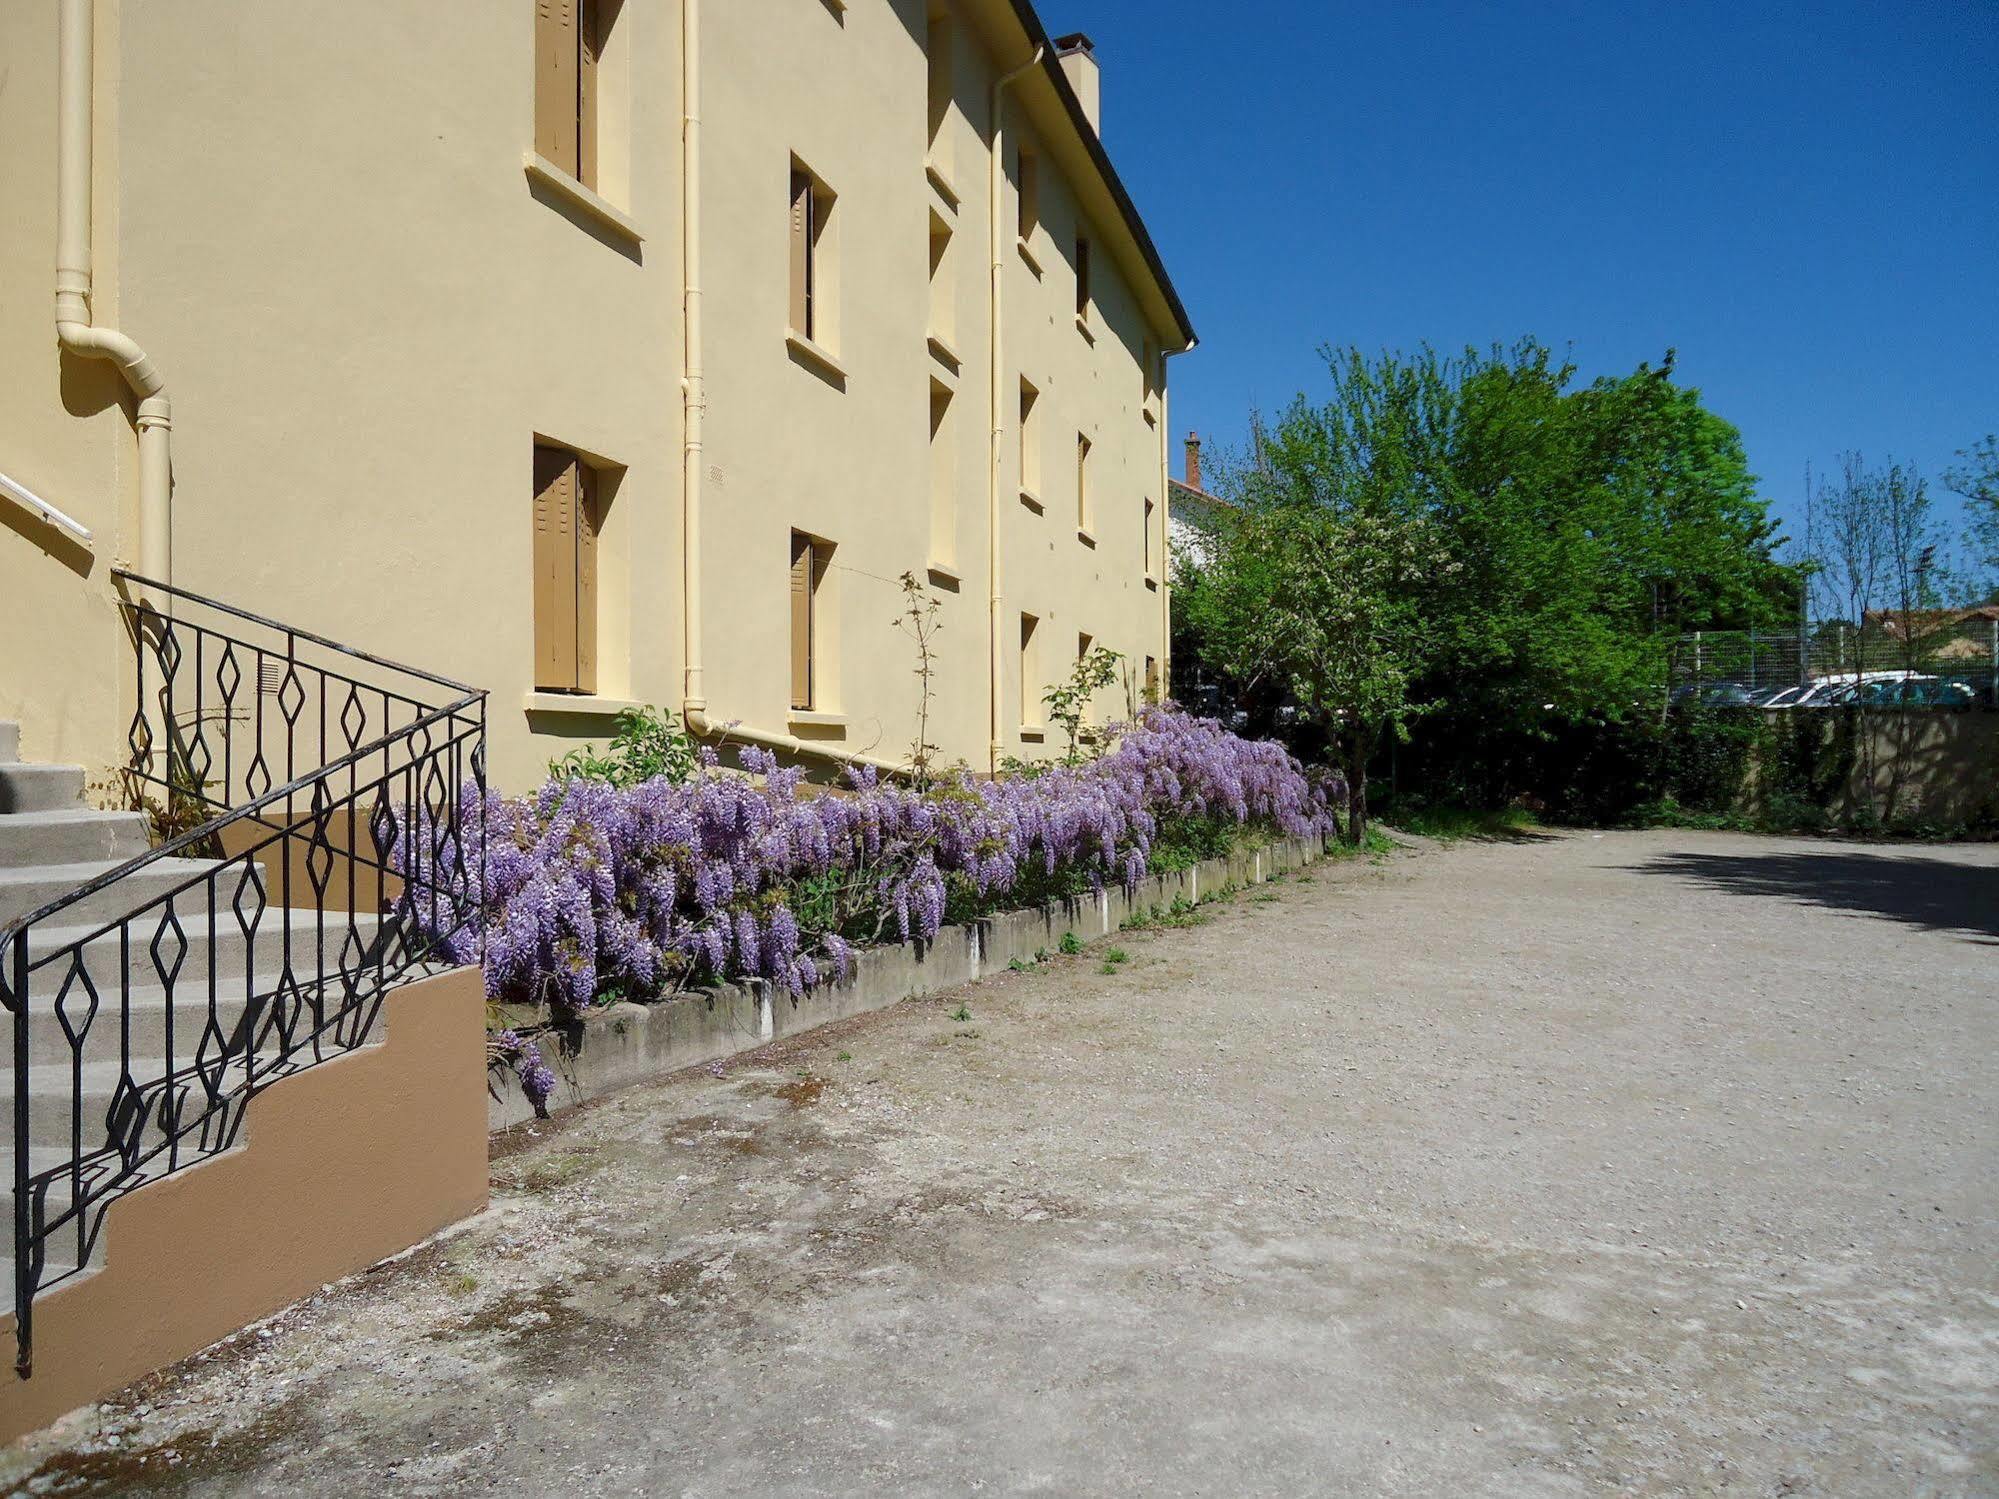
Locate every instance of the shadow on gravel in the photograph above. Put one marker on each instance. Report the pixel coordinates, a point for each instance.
(1932, 894)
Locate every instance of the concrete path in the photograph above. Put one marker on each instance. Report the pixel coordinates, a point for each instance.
(1624, 1164)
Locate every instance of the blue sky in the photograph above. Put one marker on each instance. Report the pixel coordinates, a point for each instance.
(1803, 199)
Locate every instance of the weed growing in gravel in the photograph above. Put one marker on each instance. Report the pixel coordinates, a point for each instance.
(963, 1012)
(1019, 965)
(1070, 944)
(1108, 968)
(845, 1056)
(1041, 955)
(1117, 955)
(1265, 897)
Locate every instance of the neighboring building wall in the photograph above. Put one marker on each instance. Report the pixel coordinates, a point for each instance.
(368, 314)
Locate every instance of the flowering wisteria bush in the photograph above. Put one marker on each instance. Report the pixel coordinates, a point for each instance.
(595, 891)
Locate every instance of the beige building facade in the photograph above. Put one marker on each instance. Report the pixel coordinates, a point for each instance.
(593, 353)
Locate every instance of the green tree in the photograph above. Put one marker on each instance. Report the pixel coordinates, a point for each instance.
(1573, 532)
(1975, 476)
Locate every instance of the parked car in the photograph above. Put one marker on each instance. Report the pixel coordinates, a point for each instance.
(1712, 695)
(1780, 697)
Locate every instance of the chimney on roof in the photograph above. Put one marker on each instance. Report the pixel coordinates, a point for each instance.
(1079, 61)
(1193, 460)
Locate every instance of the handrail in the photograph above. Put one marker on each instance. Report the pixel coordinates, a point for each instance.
(208, 831)
(43, 511)
(127, 575)
(309, 902)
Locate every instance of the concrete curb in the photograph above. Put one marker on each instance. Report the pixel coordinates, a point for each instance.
(626, 1044)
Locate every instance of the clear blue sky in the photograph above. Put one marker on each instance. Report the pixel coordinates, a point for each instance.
(1803, 199)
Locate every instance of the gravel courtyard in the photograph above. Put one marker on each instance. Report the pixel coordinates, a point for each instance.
(1654, 1163)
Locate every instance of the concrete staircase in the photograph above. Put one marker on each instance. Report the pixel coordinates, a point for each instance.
(225, 966)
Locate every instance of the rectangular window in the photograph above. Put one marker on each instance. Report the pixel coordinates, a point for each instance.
(1082, 278)
(1082, 482)
(565, 572)
(943, 488)
(1149, 572)
(567, 46)
(1029, 184)
(808, 572)
(1152, 679)
(811, 269)
(938, 46)
(1030, 445)
(943, 290)
(1030, 698)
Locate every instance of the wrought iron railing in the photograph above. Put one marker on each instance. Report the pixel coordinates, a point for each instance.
(319, 788)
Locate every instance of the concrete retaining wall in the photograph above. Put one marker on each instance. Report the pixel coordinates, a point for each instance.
(626, 1044)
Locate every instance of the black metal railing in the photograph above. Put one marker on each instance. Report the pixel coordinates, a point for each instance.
(319, 792)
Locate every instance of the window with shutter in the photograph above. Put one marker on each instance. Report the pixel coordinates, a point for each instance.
(567, 45)
(1029, 701)
(1082, 278)
(1029, 184)
(1082, 482)
(566, 524)
(803, 568)
(803, 208)
(1147, 544)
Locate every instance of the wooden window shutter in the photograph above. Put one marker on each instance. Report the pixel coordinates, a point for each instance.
(801, 252)
(801, 620)
(556, 84)
(587, 43)
(1148, 538)
(554, 570)
(1082, 277)
(585, 565)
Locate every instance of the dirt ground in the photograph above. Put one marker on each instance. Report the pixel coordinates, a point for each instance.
(1657, 1163)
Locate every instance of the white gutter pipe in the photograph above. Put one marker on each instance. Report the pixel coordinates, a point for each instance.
(996, 173)
(693, 382)
(74, 330)
(694, 409)
(1166, 524)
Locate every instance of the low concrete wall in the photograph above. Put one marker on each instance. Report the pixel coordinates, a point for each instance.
(1891, 767)
(342, 1165)
(626, 1044)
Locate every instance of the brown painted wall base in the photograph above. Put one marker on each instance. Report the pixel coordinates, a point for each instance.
(325, 1183)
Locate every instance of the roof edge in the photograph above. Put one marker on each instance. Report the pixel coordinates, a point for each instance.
(1051, 65)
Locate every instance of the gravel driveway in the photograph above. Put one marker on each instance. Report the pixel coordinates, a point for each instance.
(1657, 1163)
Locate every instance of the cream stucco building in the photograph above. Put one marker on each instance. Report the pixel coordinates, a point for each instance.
(592, 351)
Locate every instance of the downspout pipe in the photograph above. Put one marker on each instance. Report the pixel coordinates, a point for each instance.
(74, 329)
(693, 381)
(694, 411)
(1166, 522)
(996, 215)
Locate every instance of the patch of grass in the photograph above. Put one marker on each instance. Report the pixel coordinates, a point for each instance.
(1117, 955)
(1108, 968)
(462, 1284)
(963, 1012)
(1070, 944)
(1452, 824)
(845, 1056)
(1019, 965)
(1265, 897)
(1041, 955)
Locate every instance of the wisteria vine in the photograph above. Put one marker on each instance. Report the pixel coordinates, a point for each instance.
(594, 892)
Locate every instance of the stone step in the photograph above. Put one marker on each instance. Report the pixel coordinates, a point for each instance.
(28, 887)
(140, 1028)
(71, 836)
(66, 1103)
(39, 788)
(317, 943)
(10, 740)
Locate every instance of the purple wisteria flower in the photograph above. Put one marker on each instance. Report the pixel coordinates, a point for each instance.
(593, 891)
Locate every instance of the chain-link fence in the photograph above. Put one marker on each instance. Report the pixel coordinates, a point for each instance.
(1940, 658)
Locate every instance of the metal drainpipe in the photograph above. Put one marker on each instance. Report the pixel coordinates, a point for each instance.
(74, 330)
(694, 410)
(1166, 523)
(996, 174)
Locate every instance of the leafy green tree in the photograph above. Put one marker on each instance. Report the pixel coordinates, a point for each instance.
(1571, 534)
(1975, 476)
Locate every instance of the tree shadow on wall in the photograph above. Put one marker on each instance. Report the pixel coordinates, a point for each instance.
(1933, 895)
